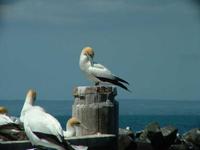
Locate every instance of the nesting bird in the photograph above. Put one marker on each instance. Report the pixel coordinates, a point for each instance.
(3, 110)
(71, 125)
(9, 130)
(42, 128)
(4, 119)
(97, 72)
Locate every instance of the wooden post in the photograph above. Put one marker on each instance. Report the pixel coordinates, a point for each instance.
(97, 109)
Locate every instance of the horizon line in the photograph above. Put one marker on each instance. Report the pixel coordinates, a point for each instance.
(156, 99)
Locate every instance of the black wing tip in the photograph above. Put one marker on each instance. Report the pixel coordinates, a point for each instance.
(115, 82)
(124, 87)
(121, 80)
(129, 90)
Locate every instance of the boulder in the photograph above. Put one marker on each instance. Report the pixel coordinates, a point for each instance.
(193, 136)
(144, 146)
(138, 133)
(126, 132)
(179, 147)
(169, 133)
(152, 133)
(126, 140)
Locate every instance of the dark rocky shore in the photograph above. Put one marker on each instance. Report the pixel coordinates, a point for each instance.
(153, 137)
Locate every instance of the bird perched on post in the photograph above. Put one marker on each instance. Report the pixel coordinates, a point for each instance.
(42, 128)
(97, 72)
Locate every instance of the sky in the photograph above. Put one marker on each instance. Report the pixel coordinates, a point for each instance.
(153, 44)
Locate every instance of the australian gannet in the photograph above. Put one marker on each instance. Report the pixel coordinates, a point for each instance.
(4, 118)
(97, 72)
(9, 129)
(71, 125)
(29, 103)
(71, 128)
(42, 128)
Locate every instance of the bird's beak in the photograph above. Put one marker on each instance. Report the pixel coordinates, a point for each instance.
(90, 58)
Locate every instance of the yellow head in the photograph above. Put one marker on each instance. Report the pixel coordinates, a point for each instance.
(88, 51)
(31, 94)
(73, 122)
(3, 110)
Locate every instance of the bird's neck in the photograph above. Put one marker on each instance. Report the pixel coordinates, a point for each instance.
(70, 131)
(27, 105)
(84, 62)
(29, 101)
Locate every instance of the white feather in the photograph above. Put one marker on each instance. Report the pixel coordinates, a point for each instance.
(94, 70)
(37, 120)
(4, 119)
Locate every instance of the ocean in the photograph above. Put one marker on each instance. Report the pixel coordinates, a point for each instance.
(136, 114)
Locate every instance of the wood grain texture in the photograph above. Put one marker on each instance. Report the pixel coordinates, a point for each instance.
(97, 109)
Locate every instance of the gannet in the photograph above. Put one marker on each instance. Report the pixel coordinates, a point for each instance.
(4, 118)
(71, 125)
(42, 128)
(97, 72)
(9, 129)
(29, 103)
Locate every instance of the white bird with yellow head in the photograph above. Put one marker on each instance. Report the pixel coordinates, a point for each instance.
(97, 72)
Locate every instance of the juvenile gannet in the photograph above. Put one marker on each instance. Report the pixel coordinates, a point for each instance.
(71, 125)
(41, 128)
(97, 72)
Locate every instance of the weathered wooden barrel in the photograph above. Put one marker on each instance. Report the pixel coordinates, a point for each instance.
(97, 109)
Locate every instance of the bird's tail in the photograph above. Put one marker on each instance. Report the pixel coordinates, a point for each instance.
(115, 82)
(121, 80)
(120, 84)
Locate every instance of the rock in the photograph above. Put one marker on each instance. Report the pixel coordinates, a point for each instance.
(126, 132)
(126, 140)
(193, 136)
(144, 146)
(179, 147)
(152, 133)
(169, 133)
(138, 133)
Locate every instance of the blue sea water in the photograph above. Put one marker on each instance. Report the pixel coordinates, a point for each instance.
(134, 113)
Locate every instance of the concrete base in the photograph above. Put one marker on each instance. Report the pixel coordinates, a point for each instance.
(15, 145)
(97, 142)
